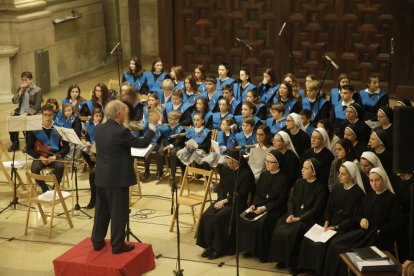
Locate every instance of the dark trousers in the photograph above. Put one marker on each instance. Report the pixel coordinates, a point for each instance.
(92, 185)
(14, 137)
(58, 167)
(174, 161)
(159, 154)
(112, 204)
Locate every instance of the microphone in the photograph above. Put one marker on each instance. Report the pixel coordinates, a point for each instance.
(282, 29)
(182, 134)
(233, 128)
(245, 147)
(392, 45)
(116, 47)
(332, 62)
(244, 43)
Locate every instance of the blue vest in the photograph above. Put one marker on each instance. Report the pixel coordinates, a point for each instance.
(339, 112)
(220, 83)
(90, 129)
(275, 126)
(138, 82)
(90, 106)
(267, 93)
(259, 108)
(190, 99)
(242, 140)
(169, 107)
(301, 93)
(240, 93)
(233, 106)
(79, 103)
(370, 100)
(335, 96)
(225, 141)
(309, 130)
(58, 118)
(213, 101)
(179, 85)
(217, 119)
(201, 87)
(316, 107)
(167, 131)
(289, 105)
(52, 142)
(66, 122)
(154, 85)
(199, 137)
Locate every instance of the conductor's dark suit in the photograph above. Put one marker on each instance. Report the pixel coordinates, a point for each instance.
(114, 174)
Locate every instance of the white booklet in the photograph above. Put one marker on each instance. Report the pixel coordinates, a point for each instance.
(192, 143)
(317, 234)
(142, 152)
(215, 146)
(48, 196)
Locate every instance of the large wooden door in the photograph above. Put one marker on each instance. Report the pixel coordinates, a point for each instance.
(355, 34)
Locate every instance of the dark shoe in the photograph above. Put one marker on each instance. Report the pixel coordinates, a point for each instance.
(215, 255)
(99, 246)
(126, 247)
(13, 147)
(207, 252)
(90, 205)
(281, 265)
(247, 255)
(159, 175)
(145, 176)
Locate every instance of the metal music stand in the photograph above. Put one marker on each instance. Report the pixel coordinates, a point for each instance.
(69, 135)
(15, 124)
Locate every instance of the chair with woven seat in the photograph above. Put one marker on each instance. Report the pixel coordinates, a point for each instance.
(55, 199)
(193, 199)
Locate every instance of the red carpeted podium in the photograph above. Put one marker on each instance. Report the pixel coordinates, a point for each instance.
(83, 260)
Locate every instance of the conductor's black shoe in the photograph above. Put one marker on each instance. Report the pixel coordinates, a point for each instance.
(90, 205)
(13, 147)
(281, 265)
(207, 252)
(215, 255)
(247, 255)
(145, 176)
(126, 247)
(99, 246)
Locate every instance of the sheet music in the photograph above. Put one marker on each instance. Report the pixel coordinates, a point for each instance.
(48, 196)
(69, 135)
(317, 234)
(192, 143)
(215, 146)
(17, 164)
(23, 123)
(141, 152)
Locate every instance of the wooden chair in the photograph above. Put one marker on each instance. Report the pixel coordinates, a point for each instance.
(113, 84)
(188, 198)
(21, 189)
(136, 187)
(215, 171)
(39, 201)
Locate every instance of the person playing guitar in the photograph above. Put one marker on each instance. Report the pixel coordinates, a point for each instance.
(46, 147)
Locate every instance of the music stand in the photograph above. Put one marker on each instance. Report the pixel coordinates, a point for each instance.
(15, 124)
(69, 135)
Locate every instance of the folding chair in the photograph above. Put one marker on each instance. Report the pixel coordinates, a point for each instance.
(56, 198)
(137, 186)
(192, 199)
(21, 189)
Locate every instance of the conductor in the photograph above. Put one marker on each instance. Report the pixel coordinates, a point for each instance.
(114, 175)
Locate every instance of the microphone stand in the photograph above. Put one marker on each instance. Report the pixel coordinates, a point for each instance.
(235, 213)
(289, 44)
(116, 48)
(178, 271)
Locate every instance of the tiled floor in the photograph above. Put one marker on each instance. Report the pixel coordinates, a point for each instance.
(150, 219)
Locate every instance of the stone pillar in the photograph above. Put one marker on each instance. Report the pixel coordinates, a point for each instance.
(6, 80)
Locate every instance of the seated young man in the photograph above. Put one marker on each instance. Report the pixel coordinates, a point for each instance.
(246, 136)
(235, 105)
(46, 147)
(305, 117)
(277, 121)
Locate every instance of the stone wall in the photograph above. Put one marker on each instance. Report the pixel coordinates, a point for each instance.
(78, 45)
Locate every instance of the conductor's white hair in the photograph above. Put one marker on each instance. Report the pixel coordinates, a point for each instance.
(113, 107)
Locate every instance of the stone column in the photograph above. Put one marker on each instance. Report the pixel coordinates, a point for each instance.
(6, 80)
